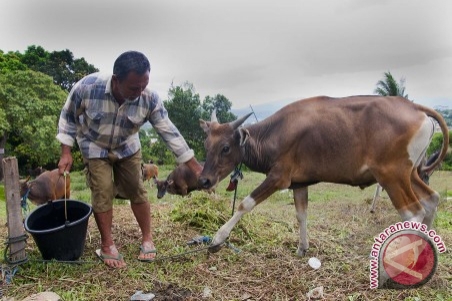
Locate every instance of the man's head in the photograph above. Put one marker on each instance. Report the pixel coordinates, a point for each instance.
(131, 61)
(130, 75)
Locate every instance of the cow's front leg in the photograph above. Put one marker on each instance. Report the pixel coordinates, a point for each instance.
(300, 196)
(223, 233)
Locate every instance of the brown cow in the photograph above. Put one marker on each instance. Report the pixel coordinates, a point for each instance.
(181, 181)
(48, 186)
(357, 140)
(149, 171)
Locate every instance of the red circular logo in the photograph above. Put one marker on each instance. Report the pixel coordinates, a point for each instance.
(409, 258)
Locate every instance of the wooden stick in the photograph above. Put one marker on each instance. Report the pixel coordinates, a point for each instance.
(16, 232)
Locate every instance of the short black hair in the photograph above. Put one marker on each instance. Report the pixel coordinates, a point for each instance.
(131, 61)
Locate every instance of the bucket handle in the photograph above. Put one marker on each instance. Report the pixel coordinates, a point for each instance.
(65, 198)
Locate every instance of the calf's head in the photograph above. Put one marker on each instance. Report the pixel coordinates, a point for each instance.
(162, 187)
(24, 186)
(223, 146)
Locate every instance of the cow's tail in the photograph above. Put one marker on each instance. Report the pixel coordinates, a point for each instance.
(444, 150)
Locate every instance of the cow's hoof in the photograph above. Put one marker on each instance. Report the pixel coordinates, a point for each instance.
(215, 248)
(301, 252)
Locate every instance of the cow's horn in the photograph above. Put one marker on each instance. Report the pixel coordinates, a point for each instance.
(213, 117)
(235, 124)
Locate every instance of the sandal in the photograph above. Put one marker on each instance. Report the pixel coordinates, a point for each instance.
(143, 251)
(111, 261)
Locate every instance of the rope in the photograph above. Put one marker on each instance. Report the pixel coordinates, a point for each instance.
(8, 243)
(154, 260)
(63, 261)
(8, 273)
(65, 203)
(235, 178)
(24, 204)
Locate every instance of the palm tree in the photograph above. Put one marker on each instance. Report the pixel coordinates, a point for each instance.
(389, 87)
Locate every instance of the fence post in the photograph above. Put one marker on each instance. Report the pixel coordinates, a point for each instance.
(16, 233)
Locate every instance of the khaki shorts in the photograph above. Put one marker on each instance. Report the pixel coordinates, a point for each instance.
(112, 177)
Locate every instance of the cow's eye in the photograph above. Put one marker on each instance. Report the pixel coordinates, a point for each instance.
(225, 149)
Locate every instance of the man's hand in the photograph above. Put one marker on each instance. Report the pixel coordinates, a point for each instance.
(65, 163)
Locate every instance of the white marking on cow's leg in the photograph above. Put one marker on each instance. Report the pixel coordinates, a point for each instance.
(245, 206)
(301, 205)
(430, 207)
(427, 197)
(408, 215)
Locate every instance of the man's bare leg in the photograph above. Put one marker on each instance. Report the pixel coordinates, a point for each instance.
(142, 212)
(112, 258)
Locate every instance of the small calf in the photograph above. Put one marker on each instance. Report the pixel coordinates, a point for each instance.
(48, 186)
(181, 181)
(149, 171)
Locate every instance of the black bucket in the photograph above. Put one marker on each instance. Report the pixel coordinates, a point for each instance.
(55, 237)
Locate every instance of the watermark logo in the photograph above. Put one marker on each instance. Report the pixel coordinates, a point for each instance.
(404, 255)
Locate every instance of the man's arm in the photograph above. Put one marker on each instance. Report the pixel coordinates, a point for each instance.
(194, 165)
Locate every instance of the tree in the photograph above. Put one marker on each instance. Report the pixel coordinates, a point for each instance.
(222, 107)
(11, 62)
(184, 110)
(389, 86)
(30, 104)
(60, 65)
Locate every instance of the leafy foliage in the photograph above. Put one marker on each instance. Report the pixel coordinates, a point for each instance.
(31, 101)
(436, 144)
(60, 65)
(185, 109)
(222, 106)
(389, 86)
(11, 62)
(30, 104)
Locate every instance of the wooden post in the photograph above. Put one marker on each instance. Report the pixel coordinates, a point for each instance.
(16, 232)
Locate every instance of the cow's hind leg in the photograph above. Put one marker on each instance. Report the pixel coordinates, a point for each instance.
(426, 196)
(403, 198)
(300, 196)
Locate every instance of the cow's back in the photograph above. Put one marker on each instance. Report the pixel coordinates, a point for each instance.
(343, 138)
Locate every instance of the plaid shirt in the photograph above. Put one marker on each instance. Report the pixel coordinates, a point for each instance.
(93, 116)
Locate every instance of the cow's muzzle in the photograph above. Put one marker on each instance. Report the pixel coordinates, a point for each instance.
(204, 183)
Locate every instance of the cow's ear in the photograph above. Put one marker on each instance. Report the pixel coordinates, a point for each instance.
(170, 182)
(205, 125)
(244, 135)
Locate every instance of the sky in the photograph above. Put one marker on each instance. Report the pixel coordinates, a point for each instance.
(252, 51)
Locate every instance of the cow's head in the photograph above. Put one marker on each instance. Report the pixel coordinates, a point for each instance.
(162, 187)
(24, 186)
(223, 149)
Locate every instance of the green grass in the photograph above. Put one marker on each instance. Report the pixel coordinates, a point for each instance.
(340, 228)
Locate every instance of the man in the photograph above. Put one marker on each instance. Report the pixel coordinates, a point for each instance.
(104, 114)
